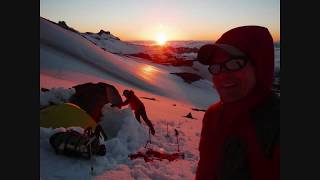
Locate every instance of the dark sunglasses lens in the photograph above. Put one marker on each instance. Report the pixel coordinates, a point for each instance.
(214, 69)
(235, 64)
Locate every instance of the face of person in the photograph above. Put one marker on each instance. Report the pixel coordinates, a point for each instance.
(236, 84)
(126, 95)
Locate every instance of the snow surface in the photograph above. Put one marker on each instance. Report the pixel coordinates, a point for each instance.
(127, 136)
(113, 45)
(56, 96)
(68, 59)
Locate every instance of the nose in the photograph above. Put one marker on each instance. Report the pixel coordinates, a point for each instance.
(222, 70)
(218, 78)
(224, 75)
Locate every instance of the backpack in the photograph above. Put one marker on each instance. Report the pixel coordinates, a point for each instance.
(74, 144)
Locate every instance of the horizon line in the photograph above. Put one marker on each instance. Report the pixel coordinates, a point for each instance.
(274, 41)
(277, 41)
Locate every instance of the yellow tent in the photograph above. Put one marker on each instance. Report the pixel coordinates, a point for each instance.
(65, 115)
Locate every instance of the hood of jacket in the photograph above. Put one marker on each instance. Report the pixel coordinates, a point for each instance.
(257, 44)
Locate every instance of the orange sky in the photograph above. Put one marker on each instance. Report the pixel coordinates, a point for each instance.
(177, 19)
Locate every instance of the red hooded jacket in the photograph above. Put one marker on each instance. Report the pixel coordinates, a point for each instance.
(222, 121)
(133, 101)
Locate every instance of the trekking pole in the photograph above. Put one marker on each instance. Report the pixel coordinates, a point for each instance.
(90, 147)
(177, 134)
(150, 136)
(167, 130)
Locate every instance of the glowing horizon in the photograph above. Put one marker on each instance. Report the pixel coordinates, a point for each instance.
(161, 39)
(178, 20)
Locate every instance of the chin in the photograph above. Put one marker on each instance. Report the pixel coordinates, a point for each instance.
(229, 97)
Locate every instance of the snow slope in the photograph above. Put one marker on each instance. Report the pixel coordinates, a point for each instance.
(114, 45)
(67, 59)
(69, 56)
(130, 138)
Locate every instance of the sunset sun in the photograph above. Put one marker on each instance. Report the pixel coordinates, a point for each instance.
(161, 39)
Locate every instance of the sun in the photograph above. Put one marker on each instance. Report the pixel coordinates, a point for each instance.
(161, 39)
(148, 69)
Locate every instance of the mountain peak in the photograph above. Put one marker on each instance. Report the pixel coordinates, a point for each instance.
(64, 25)
(107, 34)
(103, 32)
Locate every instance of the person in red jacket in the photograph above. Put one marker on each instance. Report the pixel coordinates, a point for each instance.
(137, 106)
(240, 136)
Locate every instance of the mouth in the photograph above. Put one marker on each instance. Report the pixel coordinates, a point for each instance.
(228, 85)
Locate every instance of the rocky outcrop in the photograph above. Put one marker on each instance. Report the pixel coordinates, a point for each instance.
(64, 25)
(103, 32)
(142, 55)
(188, 77)
(108, 34)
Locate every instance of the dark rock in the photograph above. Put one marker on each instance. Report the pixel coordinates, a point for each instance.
(196, 109)
(107, 33)
(182, 63)
(189, 116)
(64, 25)
(103, 32)
(142, 55)
(182, 50)
(188, 77)
(44, 89)
(149, 98)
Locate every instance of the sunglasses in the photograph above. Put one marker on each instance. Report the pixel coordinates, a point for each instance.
(233, 64)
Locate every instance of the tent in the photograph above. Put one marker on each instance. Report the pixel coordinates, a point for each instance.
(92, 97)
(65, 115)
